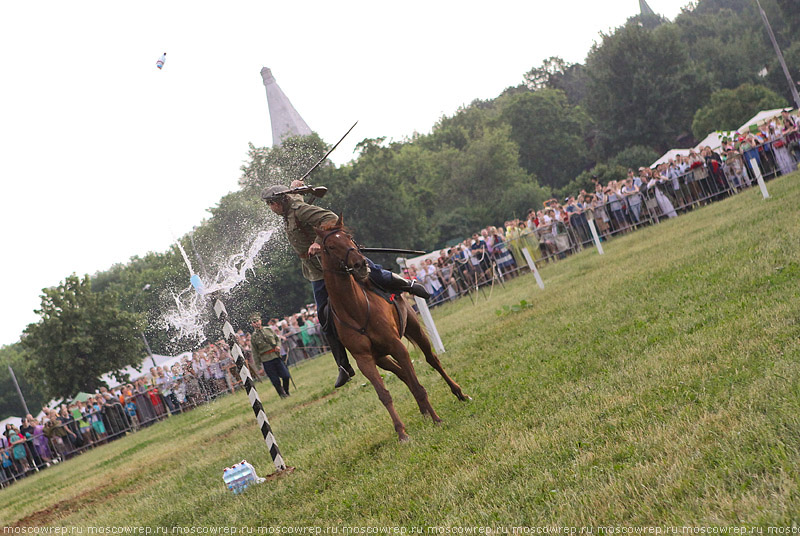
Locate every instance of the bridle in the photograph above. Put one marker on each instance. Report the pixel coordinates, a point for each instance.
(343, 266)
(348, 270)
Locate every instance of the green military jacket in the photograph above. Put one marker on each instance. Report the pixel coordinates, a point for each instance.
(264, 344)
(301, 220)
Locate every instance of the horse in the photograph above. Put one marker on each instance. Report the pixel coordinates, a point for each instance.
(371, 327)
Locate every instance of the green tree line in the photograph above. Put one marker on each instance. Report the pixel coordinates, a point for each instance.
(645, 87)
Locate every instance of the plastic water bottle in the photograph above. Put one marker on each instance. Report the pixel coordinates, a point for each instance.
(239, 477)
(197, 283)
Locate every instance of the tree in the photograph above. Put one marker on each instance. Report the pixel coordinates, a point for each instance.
(643, 88)
(603, 173)
(145, 285)
(31, 386)
(81, 336)
(550, 134)
(729, 108)
(556, 73)
(281, 164)
(634, 157)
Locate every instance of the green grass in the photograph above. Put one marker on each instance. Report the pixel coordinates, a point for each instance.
(656, 384)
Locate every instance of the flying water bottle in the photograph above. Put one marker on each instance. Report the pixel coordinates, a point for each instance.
(197, 283)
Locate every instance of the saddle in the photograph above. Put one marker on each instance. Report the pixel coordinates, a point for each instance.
(389, 297)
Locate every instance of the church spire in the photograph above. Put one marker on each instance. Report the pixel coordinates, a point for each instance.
(645, 9)
(285, 120)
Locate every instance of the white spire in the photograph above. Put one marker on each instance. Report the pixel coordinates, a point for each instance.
(285, 120)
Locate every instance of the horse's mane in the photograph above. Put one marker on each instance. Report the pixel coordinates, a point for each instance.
(331, 225)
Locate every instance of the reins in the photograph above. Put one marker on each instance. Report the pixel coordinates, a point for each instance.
(347, 270)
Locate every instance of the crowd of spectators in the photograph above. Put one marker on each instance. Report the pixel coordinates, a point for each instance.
(645, 196)
(71, 428)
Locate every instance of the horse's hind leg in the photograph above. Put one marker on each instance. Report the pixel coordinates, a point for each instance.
(367, 366)
(416, 334)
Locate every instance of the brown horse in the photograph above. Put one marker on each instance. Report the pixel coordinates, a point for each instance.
(372, 328)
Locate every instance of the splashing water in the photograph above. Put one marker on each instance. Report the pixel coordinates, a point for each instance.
(189, 315)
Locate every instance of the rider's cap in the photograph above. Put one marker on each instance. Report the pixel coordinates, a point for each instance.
(274, 192)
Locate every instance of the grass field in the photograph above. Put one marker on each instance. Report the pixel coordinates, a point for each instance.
(656, 384)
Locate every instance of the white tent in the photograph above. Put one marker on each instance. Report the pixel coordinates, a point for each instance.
(759, 118)
(16, 421)
(672, 153)
(161, 361)
(714, 140)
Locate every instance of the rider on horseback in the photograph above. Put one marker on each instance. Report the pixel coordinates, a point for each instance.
(300, 219)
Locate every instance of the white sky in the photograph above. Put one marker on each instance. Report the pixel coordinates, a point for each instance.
(103, 156)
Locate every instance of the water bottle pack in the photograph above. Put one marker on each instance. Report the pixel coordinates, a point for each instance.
(238, 477)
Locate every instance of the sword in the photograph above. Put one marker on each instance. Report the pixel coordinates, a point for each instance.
(392, 250)
(321, 160)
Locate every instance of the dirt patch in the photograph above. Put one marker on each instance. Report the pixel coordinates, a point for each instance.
(279, 474)
(66, 507)
(315, 401)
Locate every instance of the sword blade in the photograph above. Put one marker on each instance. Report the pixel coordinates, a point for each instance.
(392, 250)
(321, 160)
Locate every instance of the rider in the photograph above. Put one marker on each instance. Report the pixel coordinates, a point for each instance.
(300, 219)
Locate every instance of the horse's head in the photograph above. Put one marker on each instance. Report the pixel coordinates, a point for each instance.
(340, 252)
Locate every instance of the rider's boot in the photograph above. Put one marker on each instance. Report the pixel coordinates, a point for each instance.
(340, 356)
(408, 285)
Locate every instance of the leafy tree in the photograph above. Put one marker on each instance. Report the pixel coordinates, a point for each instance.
(468, 123)
(724, 40)
(635, 157)
(729, 108)
(643, 88)
(81, 336)
(556, 73)
(282, 164)
(550, 134)
(776, 79)
(603, 173)
(31, 386)
(480, 176)
(145, 285)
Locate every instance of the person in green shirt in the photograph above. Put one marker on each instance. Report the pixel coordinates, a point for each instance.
(300, 219)
(265, 346)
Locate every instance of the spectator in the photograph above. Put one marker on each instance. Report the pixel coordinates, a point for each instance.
(655, 185)
(19, 453)
(40, 443)
(631, 194)
(502, 256)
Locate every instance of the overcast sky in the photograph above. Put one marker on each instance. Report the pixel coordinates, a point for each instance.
(103, 156)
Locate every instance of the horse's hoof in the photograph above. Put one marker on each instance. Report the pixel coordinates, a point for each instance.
(404, 439)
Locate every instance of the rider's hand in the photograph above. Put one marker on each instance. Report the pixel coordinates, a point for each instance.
(297, 183)
(313, 249)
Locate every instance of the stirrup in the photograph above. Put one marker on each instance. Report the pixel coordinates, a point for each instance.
(342, 378)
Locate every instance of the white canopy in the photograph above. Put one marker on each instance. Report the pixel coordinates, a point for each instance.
(760, 117)
(161, 361)
(672, 153)
(714, 140)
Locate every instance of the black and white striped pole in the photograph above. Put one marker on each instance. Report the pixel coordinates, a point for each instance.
(244, 374)
(247, 380)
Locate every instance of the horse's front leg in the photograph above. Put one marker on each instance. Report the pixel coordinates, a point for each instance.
(366, 364)
(400, 354)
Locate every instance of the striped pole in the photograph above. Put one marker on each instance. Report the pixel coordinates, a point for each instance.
(247, 380)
